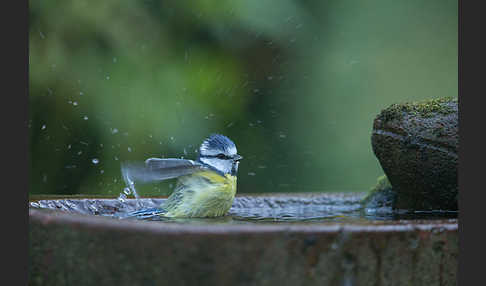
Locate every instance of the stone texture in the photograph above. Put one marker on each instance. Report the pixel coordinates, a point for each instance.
(416, 145)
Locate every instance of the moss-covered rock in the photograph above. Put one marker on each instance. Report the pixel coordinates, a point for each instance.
(380, 196)
(416, 145)
(428, 108)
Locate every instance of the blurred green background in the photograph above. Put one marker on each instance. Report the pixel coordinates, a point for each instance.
(295, 84)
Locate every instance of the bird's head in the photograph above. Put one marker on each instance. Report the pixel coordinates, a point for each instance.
(219, 152)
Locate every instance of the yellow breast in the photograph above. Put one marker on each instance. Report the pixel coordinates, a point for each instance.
(202, 194)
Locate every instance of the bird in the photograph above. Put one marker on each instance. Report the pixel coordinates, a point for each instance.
(205, 187)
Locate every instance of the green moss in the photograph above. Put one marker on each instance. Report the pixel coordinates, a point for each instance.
(381, 195)
(382, 183)
(426, 108)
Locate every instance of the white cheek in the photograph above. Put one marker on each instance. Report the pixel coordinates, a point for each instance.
(221, 165)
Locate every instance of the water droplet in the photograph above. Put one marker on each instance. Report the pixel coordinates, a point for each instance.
(122, 197)
(282, 135)
(114, 131)
(75, 103)
(107, 77)
(129, 149)
(85, 117)
(116, 158)
(81, 93)
(95, 161)
(102, 171)
(80, 152)
(251, 174)
(43, 127)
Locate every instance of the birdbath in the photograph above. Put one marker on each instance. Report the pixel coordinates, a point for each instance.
(273, 239)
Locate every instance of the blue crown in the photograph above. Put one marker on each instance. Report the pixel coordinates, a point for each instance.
(217, 142)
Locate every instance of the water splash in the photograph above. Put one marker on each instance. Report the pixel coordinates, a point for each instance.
(319, 208)
(130, 186)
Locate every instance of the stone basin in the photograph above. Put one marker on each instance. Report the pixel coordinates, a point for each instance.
(277, 239)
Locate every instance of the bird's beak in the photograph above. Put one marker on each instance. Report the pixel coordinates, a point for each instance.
(237, 157)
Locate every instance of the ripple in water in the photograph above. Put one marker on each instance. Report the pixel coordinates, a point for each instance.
(245, 209)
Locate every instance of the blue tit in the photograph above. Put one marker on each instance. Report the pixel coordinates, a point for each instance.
(205, 187)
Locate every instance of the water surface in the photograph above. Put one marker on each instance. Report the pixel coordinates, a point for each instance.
(290, 208)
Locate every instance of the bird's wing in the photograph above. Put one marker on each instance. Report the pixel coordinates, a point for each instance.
(158, 169)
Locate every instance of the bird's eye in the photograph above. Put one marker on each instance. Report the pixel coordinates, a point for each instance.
(221, 156)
